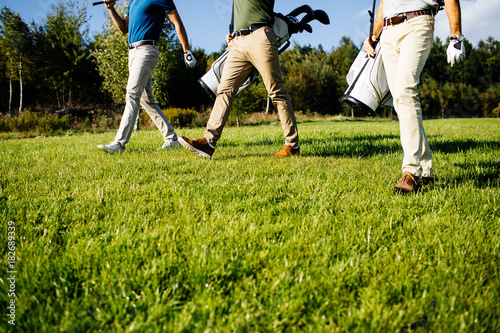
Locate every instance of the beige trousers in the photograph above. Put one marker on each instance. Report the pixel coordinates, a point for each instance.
(405, 48)
(141, 64)
(258, 49)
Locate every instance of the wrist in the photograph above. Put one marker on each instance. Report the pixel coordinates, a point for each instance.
(459, 38)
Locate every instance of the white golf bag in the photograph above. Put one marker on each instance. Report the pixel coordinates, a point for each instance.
(210, 81)
(284, 27)
(368, 88)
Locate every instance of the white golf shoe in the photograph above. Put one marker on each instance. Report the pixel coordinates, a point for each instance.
(113, 147)
(171, 144)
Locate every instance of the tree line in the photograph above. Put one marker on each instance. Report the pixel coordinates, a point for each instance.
(56, 64)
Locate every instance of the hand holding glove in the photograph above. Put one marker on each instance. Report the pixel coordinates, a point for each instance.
(189, 59)
(456, 49)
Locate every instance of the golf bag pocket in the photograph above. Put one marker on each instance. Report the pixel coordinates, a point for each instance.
(368, 87)
(281, 30)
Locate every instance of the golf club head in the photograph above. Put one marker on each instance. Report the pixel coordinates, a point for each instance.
(308, 28)
(321, 16)
(304, 9)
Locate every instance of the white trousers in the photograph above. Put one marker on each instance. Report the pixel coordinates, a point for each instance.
(405, 48)
(141, 64)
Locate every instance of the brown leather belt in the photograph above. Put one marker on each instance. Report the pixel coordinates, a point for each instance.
(400, 18)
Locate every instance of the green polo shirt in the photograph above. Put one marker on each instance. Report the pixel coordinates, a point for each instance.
(248, 12)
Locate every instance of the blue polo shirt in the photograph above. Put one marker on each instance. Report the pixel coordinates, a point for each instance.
(146, 18)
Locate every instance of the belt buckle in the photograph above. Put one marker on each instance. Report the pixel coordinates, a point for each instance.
(244, 32)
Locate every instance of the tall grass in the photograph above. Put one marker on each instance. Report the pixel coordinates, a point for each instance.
(166, 241)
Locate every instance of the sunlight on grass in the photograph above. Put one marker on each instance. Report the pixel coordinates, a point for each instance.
(166, 241)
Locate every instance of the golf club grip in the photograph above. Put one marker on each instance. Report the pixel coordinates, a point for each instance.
(97, 3)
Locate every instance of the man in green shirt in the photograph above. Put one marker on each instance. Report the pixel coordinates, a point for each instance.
(252, 45)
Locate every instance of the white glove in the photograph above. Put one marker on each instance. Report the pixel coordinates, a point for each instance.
(189, 59)
(456, 50)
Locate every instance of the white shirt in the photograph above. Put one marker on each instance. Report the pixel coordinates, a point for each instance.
(395, 7)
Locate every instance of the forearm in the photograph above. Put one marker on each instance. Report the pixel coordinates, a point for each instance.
(454, 16)
(181, 33)
(379, 22)
(119, 22)
(174, 17)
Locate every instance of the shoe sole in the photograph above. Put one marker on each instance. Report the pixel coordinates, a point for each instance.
(397, 190)
(186, 145)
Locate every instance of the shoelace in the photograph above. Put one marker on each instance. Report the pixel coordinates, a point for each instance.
(407, 178)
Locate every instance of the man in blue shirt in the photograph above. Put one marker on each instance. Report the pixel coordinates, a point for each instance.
(143, 23)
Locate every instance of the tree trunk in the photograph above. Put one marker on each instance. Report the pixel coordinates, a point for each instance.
(20, 88)
(69, 92)
(10, 95)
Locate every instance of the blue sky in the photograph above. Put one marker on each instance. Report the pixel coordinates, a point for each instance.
(207, 21)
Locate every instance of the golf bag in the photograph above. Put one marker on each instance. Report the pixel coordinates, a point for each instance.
(367, 81)
(284, 27)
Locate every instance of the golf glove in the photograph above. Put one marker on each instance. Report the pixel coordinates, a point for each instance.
(456, 50)
(189, 59)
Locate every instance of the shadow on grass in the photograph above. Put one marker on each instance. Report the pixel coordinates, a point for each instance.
(455, 146)
(481, 175)
(362, 146)
(344, 146)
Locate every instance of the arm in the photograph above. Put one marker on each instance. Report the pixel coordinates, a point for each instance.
(369, 43)
(454, 16)
(173, 16)
(120, 23)
(456, 49)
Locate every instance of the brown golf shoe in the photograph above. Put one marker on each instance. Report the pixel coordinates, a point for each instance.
(287, 151)
(199, 146)
(408, 184)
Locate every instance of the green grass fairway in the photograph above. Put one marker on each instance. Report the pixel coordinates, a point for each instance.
(165, 241)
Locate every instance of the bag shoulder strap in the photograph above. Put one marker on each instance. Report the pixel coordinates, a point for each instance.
(231, 25)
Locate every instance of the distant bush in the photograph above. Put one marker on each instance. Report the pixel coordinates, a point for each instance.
(181, 117)
(29, 121)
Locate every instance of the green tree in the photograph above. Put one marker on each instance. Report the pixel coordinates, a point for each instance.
(175, 85)
(490, 101)
(16, 42)
(111, 56)
(311, 80)
(341, 59)
(65, 73)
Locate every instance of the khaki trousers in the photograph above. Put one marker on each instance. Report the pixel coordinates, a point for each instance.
(405, 48)
(258, 49)
(142, 62)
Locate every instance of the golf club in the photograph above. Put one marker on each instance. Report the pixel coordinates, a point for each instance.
(321, 16)
(301, 10)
